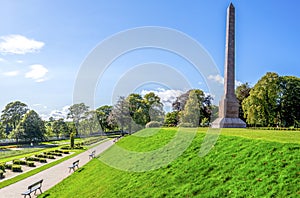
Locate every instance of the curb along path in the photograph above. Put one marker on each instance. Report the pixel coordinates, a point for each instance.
(53, 175)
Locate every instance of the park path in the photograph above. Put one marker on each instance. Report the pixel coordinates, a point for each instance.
(53, 175)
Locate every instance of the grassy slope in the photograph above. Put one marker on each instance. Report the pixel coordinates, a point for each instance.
(235, 167)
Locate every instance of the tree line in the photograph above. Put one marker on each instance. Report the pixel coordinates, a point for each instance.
(273, 101)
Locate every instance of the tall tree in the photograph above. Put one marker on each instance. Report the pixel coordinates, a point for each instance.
(289, 101)
(31, 127)
(12, 114)
(242, 92)
(190, 116)
(77, 112)
(121, 114)
(59, 127)
(205, 103)
(138, 109)
(154, 108)
(261, 106)
(103, 114)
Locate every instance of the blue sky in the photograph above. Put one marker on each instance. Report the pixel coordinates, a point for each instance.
(43, 45)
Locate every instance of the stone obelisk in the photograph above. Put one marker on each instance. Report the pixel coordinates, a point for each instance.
(229, 106)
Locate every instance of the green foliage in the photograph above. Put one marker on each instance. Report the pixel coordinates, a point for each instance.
(273, 101)
(2, 167)
(31, 127)
(72, 140)
(103, 114)
(77, 112)
(12, 114)
(16, 168)
(8, 166)
(1, 173)
(19, 162)
(154, 124)
(242, 92)
(42, 160)
(171, 119)
(235, 167)
(191, 114)
(59, 127)
(30, 164)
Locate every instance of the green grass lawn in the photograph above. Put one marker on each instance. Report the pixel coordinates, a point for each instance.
(243, 163)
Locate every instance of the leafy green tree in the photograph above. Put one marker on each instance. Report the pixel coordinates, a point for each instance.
(103, 114)
(77, 112)
(172, 118)
(120, 114)
(138, 109)
(12, 114)
(31, 127)
(2, 131)
(261, 106)
(190, 116)
(242, 92)
(205, 103)
(154, 108)
(59, 127)
(289, 101)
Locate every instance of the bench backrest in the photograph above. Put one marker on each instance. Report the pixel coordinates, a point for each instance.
(76, 162)
(35, 184)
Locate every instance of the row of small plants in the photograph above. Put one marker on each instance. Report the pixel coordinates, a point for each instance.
(277, 128)
(29, 161)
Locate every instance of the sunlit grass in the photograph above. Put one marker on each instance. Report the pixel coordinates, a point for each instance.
(255, 166)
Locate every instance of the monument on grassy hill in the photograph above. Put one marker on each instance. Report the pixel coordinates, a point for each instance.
(229, 106)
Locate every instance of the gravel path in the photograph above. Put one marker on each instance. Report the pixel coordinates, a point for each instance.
(53, 175)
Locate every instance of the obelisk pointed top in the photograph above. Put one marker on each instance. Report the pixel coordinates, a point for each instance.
(231, 5)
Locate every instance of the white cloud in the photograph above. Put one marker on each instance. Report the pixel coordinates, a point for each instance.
(18, 44)
(37, 72)
(219, 79)
(2, 60)
(11, 73)
(167, 97)
(57, 114)
(19, 61)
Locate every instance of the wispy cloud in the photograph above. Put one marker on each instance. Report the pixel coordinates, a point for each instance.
(11, 73)
(2, 60)
(18, 44)
(37, 72)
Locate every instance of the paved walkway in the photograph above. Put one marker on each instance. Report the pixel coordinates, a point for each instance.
(52, 175)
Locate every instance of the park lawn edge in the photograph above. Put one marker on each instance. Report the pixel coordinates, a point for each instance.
(46, 166)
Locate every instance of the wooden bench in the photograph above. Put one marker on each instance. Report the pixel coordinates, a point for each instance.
(33, 188)
(74, 165)
(92, 155)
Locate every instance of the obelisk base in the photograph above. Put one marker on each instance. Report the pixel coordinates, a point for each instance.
(228, 114)
(228, 123)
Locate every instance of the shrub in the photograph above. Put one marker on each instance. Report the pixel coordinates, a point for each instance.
(65, 152)
(30, 164)
(16, 168)
(41, 156)
(50, 156)
(31, 159)
(8, 166)
(42, 160)
(2, 167)
(153, 124)
(1, 173)
(19, 162)
(72, 140)
(65, 147)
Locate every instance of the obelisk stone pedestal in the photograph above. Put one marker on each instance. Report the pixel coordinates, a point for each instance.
(229, 106)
